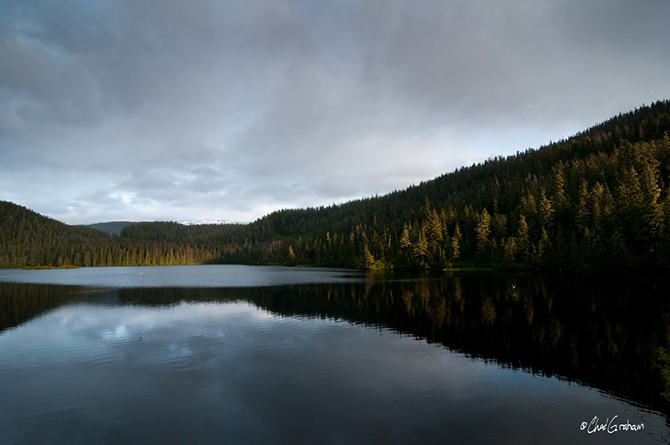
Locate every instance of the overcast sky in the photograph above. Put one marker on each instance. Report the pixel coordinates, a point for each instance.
(175, 110)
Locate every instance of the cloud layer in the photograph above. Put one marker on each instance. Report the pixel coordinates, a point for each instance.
(173, 110)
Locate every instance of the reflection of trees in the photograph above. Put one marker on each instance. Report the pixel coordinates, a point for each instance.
(20, 302)
(601, 330)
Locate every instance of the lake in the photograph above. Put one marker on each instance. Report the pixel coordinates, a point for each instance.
(242, 354)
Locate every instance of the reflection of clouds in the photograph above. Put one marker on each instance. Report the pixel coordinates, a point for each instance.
(215, 331)
(178, 352)
(251, 377)
(88, 327)
(119, 333)
(260, 313)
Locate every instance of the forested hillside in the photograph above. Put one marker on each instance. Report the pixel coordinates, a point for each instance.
(30, 239)
(596, 200)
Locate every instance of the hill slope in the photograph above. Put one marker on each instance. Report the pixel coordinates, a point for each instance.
(30, 239)
(599, 198)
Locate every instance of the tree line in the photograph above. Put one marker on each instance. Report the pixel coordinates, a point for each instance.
(30, 239)
(598, 199)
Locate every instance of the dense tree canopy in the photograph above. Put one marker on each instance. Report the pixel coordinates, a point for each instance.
(30, 239)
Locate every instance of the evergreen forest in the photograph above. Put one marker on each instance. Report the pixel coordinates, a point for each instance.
(597, 200)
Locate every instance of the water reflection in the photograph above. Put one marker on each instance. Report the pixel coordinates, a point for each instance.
(599, 330)
(20, 302)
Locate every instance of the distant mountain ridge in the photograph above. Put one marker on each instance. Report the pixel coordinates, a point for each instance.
(112, 227)
(115, 227)
(599, 199)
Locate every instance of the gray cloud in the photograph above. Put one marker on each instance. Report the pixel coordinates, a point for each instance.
(167, 110)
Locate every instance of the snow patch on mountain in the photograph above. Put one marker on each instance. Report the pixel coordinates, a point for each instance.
(197, 222)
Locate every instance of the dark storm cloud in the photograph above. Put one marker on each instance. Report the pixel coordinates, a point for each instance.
(173, 110)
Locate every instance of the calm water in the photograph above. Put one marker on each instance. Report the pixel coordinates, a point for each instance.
(236, 354)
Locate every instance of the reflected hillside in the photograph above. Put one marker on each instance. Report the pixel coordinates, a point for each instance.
(20, 302)
(600, 330)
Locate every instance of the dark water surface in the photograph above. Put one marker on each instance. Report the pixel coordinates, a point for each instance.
(237, 354)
